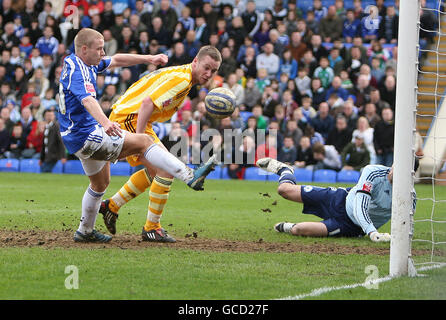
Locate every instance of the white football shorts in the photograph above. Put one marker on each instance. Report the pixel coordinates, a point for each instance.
(98, 149)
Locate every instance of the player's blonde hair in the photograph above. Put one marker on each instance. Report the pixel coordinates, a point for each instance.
(85, 37)
(209, 51)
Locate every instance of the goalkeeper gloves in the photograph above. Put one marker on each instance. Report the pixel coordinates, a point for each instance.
(375, 236)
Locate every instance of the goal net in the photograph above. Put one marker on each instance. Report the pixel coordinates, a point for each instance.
(419, 236)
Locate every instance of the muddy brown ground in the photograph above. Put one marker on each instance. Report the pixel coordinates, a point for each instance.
(64, 239)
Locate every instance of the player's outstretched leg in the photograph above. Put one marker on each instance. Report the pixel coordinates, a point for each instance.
(201, 173)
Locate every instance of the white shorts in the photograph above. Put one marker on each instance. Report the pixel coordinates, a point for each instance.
(98, 149)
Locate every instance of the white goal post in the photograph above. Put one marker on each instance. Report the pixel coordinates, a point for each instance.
(405, 126)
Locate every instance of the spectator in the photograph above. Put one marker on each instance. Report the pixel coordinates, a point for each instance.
(319, 10)
(40, 82)
(309, 62)
(261, 37)
(9, 39)
(317, 48)
(323, 122)
(370, 25)
(376, 70)
(388, 91)
(25, 46)
(318, 92)
(237, 89)
(34, 141)
(348, 111)
(340, 136)
(303, 82)
(364, 128)
(292, 130)
(336, 87)
(237, 32)
(246, 153)
(108, 15)
(288, 152)
(287, 65)
(34, 31)
(27, 121)
(330, 26)
(304, 154)
(4, 138)
(267, 149)
(17, 143)
(202, 31)
(19, 83)
(327, 157)
(268, 60)
(251, 18)
(346, 83)
(278, 46)
(262, 80)
(257, 113)
(48, 101)
(351, 26)
(388, 28)
(324, 72)
(47, 44)
(383, 138)
(167, 14)
(375, 97)
(335, 60)
(305, 32)
(296, 46)
(362, 91)
(355, 155)
(354, 62)
(307, 110)
(252, 94)
(5, 117)
(6, 63)
(312, 23)
(315, 137)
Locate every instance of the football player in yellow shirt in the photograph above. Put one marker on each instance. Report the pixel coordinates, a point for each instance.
(155, 97)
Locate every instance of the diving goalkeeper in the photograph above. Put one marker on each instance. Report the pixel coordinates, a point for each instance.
(346, 212)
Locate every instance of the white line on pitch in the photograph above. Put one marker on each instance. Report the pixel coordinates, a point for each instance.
(320, 291)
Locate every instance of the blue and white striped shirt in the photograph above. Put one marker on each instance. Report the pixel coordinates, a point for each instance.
(77, 81)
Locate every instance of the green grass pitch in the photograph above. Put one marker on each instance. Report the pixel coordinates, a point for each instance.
(226, 247)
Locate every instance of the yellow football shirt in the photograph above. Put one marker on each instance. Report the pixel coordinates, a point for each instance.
(167, 87)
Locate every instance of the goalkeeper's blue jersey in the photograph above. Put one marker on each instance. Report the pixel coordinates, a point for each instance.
(369, 202)
(77, 81)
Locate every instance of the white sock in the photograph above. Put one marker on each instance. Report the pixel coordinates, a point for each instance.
(287, 226)
(166, 161)
(90, 207)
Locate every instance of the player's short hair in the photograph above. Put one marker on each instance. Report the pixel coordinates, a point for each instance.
(86, 37)
(210, 51)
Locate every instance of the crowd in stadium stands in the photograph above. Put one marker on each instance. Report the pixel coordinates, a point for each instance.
(322, 74)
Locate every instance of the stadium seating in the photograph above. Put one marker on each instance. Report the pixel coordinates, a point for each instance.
(303, 175)
(120, 169)
(29, 165)
(225, 174)
(254, 173)
(58, 168)
(73, 167)
(9, 165)
(348, 176)
(324, 175)
(216, 174)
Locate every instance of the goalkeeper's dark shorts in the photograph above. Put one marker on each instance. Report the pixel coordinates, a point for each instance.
(329, 205)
